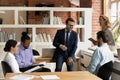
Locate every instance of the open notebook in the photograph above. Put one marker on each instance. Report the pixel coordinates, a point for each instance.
(36, 66)
(33, 69)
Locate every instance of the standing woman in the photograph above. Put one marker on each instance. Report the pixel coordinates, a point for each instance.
(11, 48)
(106, 27)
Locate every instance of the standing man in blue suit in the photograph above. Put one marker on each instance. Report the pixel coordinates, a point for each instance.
(65, 42)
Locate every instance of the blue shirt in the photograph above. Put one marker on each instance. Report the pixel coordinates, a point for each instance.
(100, 56)
(24, 57)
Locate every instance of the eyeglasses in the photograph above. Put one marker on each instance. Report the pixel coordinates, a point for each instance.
(70, 25)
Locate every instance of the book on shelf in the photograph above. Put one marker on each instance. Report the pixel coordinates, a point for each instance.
(1, 36)
(44, 37)
(49, 38)
(6, 36)
(41, 38)
(57, 20)
(37, 38)
(46, 20)
(12, 36)
(54, 20)
(22, 21)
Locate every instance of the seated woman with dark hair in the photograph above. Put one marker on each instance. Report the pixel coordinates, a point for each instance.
(11, 48)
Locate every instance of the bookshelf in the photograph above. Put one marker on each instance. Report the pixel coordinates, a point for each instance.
(17, 23)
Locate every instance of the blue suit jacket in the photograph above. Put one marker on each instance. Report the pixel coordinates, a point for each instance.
(60, 39)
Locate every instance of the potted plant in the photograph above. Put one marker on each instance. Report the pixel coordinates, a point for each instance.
(1, 20)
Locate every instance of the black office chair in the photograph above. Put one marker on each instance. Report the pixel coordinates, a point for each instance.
(35, 52)
(6, 68)
(105, 71)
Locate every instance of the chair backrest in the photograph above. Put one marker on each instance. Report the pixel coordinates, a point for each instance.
(6, 68)
(35, 52)
(105, 71)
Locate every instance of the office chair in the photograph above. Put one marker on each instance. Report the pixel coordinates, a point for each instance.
(35, 52)
(6, 68)
(105, 71)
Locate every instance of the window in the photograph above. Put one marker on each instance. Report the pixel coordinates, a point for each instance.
(113, 12)
(112, 9)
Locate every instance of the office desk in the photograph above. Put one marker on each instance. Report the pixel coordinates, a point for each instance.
(78, 75)
(39, 59)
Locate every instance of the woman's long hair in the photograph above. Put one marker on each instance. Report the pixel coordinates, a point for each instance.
(107, 22)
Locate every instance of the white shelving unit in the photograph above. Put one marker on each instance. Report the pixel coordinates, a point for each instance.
(86, 26)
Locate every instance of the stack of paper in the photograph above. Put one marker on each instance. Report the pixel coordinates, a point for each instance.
(22, 77)
(50, 77)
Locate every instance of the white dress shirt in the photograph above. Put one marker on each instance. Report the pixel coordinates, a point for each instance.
(100, 56)
(10, 59)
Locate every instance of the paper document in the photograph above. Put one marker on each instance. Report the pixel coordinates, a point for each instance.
(33, 69)
(43, 62)
(22, 77)
(40, 64)
(92, 48)
(50, 77)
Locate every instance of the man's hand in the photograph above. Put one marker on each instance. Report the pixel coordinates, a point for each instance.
(63, 47)
(35, 63)
(70, 61)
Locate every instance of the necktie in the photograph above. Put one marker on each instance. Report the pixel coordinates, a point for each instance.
(66, 41)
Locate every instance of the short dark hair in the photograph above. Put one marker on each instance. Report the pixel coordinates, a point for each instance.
(9, 44)
(69, 19)
(103, 35)
(24, 37)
